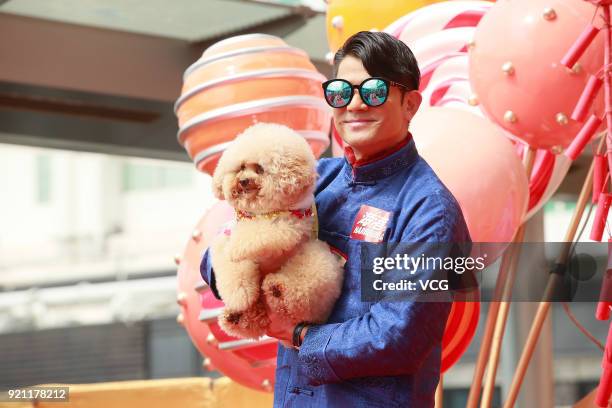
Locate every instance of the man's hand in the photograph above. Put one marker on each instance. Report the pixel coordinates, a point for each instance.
(281, 329)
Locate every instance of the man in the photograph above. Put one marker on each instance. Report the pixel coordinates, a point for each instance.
(374, 354)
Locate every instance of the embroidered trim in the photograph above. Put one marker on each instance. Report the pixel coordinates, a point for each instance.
(242, 215)
(381, 168)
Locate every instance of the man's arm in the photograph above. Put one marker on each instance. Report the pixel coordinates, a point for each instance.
(393, 338)
(208, 274)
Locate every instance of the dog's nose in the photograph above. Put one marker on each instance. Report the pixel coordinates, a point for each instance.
(244, 182)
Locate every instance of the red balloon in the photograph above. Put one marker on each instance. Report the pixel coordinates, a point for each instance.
(252, 367)
(460, 328)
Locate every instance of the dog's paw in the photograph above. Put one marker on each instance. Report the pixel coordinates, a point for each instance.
(277, 290)
(250, 323)
(233, 317)
(274, 292)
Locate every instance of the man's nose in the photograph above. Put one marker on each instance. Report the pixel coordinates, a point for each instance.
(356, 103)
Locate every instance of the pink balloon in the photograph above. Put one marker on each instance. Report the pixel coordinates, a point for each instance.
(480, 167)
(439, 35)
(516, 73)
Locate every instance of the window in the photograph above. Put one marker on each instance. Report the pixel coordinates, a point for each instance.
(141, 176)
(43, 178)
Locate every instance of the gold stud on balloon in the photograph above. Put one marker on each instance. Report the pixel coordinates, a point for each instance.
(196, 235)
(549, 14)
(561, 118)
(510, 117)
(338, 22)
(556, 149)
(181, 299)
(207, 364)
(508, 68)
(473, 100)
(211, 339)
(577, 69)
(180, 319)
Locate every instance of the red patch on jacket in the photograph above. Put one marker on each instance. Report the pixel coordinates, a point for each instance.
(370, 224)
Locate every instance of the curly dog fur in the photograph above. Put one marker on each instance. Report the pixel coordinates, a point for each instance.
(270, 259)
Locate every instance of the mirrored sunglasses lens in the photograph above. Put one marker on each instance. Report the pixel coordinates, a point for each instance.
(338, 93)
(374, 92)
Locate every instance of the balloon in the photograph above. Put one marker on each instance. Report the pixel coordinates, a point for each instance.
(347, 17)
(243, 80)
(437, 18)
(460, 328)
(519, 79)
(445, 82)
(252, 367)
(439, 35)
(478, 164)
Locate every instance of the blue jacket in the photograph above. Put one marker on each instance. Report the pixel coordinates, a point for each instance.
(382, 354)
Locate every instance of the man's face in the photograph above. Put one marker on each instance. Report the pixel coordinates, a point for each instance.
(370, 130)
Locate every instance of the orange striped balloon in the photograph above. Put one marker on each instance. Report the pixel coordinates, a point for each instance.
(244, 80)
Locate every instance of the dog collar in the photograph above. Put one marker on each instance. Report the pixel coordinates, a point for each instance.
(303, 213)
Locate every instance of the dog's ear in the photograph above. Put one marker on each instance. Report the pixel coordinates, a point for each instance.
(294, 173)
(217, 182)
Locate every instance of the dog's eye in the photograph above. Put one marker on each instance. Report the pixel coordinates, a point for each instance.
(259, 169)
(242, 167)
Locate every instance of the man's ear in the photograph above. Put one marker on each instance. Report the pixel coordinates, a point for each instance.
(412, 101)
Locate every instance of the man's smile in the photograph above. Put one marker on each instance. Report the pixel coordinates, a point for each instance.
(358, 120)
(356, 124)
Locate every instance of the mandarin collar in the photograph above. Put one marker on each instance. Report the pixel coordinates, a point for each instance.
(401, 157)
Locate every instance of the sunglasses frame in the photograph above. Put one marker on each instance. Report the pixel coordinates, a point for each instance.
(388, 83)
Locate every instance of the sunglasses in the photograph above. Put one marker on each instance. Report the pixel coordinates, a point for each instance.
(373, 91)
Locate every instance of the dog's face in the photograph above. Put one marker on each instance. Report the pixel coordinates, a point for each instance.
(267, 168)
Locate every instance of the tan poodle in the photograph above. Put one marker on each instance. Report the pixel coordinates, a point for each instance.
(271, 256)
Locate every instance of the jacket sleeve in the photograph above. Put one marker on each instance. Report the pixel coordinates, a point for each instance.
(394, 337)
(208, 274)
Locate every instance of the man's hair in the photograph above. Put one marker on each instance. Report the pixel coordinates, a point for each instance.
(382, 55)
